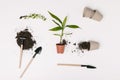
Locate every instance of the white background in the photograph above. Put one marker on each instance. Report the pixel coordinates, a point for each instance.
(44, 66)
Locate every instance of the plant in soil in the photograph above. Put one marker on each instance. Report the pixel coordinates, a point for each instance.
(61, 26)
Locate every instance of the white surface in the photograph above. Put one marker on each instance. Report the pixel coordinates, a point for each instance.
(44, 66)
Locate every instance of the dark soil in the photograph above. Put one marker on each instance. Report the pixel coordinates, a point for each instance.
(64, 42)
(74, 44)
(84, 45)
(28, 42)
(81, 46)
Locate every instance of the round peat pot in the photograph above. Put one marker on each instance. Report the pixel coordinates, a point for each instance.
(94, 45)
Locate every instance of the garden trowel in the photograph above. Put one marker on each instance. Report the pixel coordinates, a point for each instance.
(37, 51)
(79, 65)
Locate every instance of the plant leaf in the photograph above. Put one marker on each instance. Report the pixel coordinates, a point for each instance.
(56, 28)
(56, 34)
(64, 21)
(68, 33)
(56, 22)
(55, 17)
(72, 26)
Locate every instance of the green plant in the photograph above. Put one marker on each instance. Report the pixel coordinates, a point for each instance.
(33, 16)
(61, 26)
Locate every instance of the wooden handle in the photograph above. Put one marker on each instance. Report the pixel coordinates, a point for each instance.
(26, 68)
(68, 64)
(21, 54)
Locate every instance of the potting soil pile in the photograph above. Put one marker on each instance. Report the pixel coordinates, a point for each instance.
(28, 41)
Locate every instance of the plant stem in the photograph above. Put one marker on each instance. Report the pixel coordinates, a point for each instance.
(61, 36)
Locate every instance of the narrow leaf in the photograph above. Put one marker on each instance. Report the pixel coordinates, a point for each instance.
(72, 26)
(64, 21)
(56, 34)
(55, 17)
(56, 29)
(56, 22)
(68, 33)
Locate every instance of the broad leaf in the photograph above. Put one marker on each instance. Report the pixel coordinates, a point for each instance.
(64, 21)
(55, 17)
(57, 34)
(56, 22)
(56, 28)
(72, 26)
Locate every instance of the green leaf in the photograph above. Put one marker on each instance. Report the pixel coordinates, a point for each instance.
(57, 34)
(33, 16)
(72, 26)
(56, 22)
(55, 17)
(64, 21)
(68, 33)
(56, 28)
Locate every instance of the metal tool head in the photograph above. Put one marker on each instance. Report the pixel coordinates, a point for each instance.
(22, 39)
(92, 67)
(88, 66)
(37, 51)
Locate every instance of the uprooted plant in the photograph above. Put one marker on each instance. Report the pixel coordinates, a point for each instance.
(33, 16)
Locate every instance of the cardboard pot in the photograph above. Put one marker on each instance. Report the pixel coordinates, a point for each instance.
(60, 48)
(97, 16)
(94, 45)
(88, 12)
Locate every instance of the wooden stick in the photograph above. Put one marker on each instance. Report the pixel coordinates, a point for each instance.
(68, 64)
(87, 66)
(21, 54)
(26, 68)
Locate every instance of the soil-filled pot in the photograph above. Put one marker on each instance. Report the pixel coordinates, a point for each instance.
(60, 48)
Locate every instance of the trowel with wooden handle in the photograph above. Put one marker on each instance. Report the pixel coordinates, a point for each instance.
(79, 65)
(37, 51)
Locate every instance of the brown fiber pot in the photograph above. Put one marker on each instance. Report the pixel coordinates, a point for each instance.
(60, 48)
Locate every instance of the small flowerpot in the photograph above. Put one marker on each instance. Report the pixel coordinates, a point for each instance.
(60, 48)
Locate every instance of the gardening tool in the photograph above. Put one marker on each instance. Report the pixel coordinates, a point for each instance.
(21, 50)
(79, 65)
(37, 51)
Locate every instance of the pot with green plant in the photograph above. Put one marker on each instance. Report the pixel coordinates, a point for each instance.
(61, 26)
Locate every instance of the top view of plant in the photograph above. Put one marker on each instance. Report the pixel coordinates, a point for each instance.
(61, 26)
(33, 16)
